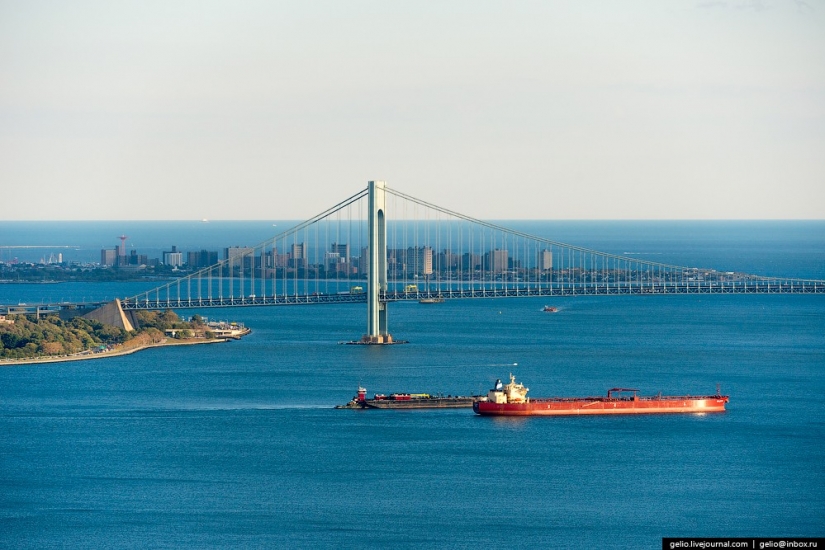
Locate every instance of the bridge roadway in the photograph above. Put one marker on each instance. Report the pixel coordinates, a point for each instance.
(554, 290)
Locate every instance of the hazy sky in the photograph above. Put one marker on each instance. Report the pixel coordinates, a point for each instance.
(499, 110)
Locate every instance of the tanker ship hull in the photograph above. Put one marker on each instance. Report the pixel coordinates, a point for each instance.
(600, 405)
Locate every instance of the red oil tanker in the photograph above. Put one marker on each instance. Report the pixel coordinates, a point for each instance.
(511, 400)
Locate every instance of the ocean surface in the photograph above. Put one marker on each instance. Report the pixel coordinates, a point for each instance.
(238, 446)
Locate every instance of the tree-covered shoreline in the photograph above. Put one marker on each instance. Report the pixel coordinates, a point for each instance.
(24, 337)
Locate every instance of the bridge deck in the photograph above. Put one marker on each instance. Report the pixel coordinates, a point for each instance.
(517, 292)
(751, 287)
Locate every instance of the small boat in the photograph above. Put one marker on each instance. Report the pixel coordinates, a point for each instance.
(550, 309)
(511, 400)
(434, 300)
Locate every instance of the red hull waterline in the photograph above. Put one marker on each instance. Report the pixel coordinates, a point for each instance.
(512, 400)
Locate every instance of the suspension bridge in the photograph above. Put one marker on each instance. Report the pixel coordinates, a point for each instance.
(381, 246)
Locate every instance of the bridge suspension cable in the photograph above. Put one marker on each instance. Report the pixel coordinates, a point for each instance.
(281, 264)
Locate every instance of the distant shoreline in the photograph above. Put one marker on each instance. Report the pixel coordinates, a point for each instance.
(87, 355)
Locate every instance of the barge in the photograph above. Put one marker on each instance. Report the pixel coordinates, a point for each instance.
(409, 401)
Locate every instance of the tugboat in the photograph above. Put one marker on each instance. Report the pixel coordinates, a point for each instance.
(511, 400)
(409, 401)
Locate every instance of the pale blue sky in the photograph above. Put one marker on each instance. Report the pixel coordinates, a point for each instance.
(500, 110)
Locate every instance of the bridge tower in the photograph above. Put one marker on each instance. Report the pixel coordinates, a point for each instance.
(377, 277)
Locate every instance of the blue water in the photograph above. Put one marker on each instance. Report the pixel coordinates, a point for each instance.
(237, 445)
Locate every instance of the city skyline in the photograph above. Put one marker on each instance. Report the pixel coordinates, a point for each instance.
(632, 110)
(329, 257)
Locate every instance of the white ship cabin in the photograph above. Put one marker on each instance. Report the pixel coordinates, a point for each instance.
(509, 393)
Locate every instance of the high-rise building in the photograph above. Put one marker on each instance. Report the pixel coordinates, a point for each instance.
(173, 258)
(446, 261)
(342, 249)
(496, 261)
(545, 260)
(297, 256)
(420, 260)
(234, 252)
(334, 263)
(337, 259)
(272, 259)
(411, 261)
(470, 262)
(137, 259)
(108, 256)
(239, 257)
(364, 261)
(297, 251)
(204, 258)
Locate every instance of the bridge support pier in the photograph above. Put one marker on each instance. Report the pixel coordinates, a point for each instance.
(377, 332)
